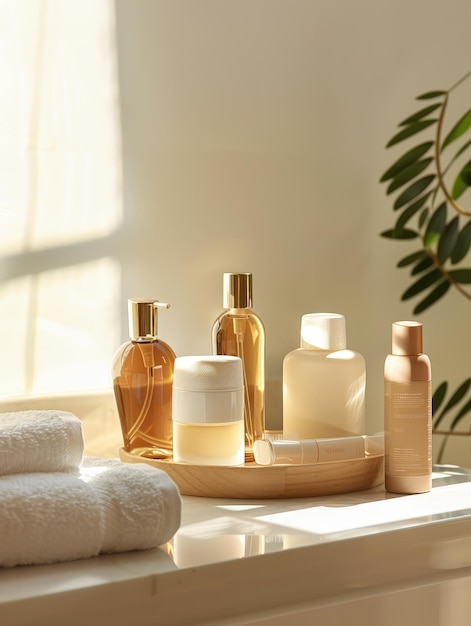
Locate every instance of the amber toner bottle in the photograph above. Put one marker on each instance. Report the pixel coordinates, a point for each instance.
(142, 381)
(238, 331)
(407, 412)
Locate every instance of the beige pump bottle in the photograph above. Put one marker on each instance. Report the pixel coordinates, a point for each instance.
(407, 412)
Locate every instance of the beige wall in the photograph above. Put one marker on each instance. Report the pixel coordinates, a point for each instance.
(253, 135)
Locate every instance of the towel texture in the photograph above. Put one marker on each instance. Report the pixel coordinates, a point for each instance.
(106, 506)
(40, 441)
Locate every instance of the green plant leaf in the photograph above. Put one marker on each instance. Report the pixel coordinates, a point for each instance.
(408, 213)
(418, 204)
(405, 233)
(462, 181)
(413, 191)
(423, 283)
(461, 276)
(406, 159)
(423, 217)
(466, 174)
(435, 226)
(433, 296)
(441, 451)
(463, 148)
(465, 409)
(439, 396)
(457, 396)
(448, 239)
(408, 174)
(420, 114)
(459, 187)
(462, 245)
(429, 95)
(412, 258)
(458, 129)
(408, 131)
(422, 266)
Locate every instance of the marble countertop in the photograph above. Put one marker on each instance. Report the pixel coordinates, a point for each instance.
(264, 552)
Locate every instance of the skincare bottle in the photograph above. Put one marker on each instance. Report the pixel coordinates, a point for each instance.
(238, 331)
(307, 451)
(407, 412)
(323, 382)
(208, 410)
(142, 381)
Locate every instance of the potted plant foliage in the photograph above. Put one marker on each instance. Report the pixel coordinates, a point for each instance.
(426, 185)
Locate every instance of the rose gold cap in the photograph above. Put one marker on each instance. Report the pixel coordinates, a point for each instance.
(237, 291)
(407, 338)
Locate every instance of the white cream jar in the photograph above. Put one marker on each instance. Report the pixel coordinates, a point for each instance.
(208, 410)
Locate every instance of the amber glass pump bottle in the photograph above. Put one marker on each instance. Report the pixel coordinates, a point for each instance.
(238, 331)
(142, 381)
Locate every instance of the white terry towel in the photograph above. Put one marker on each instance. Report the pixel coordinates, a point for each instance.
(107, 506)
(40, 441)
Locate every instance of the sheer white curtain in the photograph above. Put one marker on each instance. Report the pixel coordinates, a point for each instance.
(60, 194)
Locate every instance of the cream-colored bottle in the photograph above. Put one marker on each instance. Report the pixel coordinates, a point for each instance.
(238, 331)
(323, 383)
(407, 412)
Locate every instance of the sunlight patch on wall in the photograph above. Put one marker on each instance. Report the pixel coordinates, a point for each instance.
(14, 307)
(60, 154)
(55, 332)
(60, 195)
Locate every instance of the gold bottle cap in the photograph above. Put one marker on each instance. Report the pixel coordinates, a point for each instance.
(143, 318)
(407, 338)
(237, 291)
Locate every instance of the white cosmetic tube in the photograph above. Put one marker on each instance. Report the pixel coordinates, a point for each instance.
(288, 452)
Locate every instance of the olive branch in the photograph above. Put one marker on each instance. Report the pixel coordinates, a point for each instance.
(428, 180)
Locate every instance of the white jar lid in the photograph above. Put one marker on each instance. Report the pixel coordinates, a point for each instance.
(208, 389)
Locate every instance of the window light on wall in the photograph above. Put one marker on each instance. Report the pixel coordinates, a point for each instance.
(60, 195)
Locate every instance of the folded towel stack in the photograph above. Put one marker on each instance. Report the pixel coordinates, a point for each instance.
(75, 507)
(40, 441)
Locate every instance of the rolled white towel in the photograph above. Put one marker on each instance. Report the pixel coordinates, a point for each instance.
(40, 441)
(107, 506)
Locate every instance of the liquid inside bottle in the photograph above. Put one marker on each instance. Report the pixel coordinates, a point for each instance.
(239, 332)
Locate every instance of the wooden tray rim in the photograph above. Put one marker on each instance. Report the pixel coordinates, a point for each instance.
(270, 481)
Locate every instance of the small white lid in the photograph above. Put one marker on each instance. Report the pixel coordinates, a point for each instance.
(323, 331)
(208, 389)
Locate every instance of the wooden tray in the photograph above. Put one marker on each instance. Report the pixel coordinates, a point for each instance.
(275, 481)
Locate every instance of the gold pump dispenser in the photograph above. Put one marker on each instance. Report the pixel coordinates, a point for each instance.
(143, 318)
